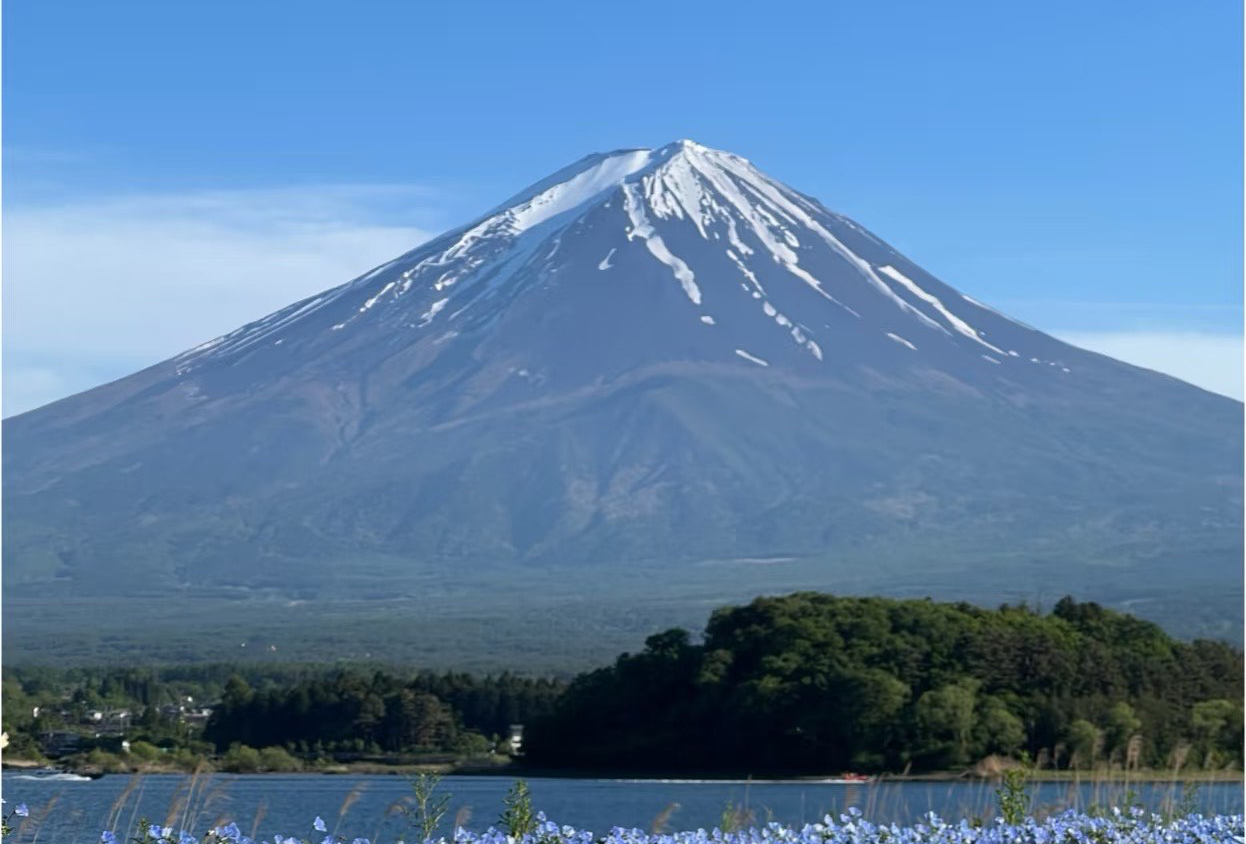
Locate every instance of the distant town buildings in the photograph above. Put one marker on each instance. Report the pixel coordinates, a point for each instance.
(110, 725)
(61, 743)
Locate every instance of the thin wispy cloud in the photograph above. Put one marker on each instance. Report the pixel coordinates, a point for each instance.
(1209, 360)
(96, 289)
(1092, 316)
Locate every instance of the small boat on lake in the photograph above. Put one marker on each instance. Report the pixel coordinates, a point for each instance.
(848, 778)
(47, 775)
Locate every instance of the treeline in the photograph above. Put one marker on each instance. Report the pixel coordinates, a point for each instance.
(380, 713)
(806, 683)
(79, 688)
(308, 711)
(812, 683)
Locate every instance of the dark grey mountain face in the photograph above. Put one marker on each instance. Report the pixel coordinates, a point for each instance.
(655, 361)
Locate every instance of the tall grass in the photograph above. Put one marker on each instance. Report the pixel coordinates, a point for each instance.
(350, 800)
(201, 798)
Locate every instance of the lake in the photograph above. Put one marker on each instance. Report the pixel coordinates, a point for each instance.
(68, 812)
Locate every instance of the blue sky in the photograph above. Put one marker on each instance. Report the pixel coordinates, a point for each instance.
(173, 170)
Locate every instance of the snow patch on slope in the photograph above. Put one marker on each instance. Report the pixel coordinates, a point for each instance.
(719, 168)
(644, 230)
(576, 191)
(952, 319)
(752, 358)
(433, 310)
(901, 340)
(759, 222)
(374, 299)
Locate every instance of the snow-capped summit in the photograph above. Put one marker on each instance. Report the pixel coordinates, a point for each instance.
(658, 360)
(766, 274)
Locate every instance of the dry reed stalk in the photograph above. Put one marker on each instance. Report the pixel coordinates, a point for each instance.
(114, 811)
(351, 799)
(208, 799)
(1178, 756)
(175, 808)
(871, 798)
(661, 821)
(190, 792)
(43, 816)
(129, 829)
(399, 806)
(850, 797)
(260, 811)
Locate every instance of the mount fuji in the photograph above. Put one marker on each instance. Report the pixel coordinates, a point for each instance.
(653, 381)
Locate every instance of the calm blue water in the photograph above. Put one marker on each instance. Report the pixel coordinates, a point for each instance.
(71, 812)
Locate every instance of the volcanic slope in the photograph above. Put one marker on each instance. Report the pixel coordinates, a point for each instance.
(656, 380)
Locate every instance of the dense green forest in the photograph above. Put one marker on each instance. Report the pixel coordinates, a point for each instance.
(815, 683)
(806, 683)
(381, 713)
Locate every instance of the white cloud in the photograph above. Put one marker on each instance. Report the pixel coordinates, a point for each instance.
(29, 386)
(1209, 360)
(95, 289)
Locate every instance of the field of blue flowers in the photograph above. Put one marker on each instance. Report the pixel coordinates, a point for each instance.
(1117, 827)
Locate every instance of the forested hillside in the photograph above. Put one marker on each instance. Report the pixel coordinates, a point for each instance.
(816, 683)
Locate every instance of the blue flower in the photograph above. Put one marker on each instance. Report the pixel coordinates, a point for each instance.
(1068, 827)
(21, 811)
(318, 824)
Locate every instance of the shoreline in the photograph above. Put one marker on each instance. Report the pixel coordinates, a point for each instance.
(511, 771)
